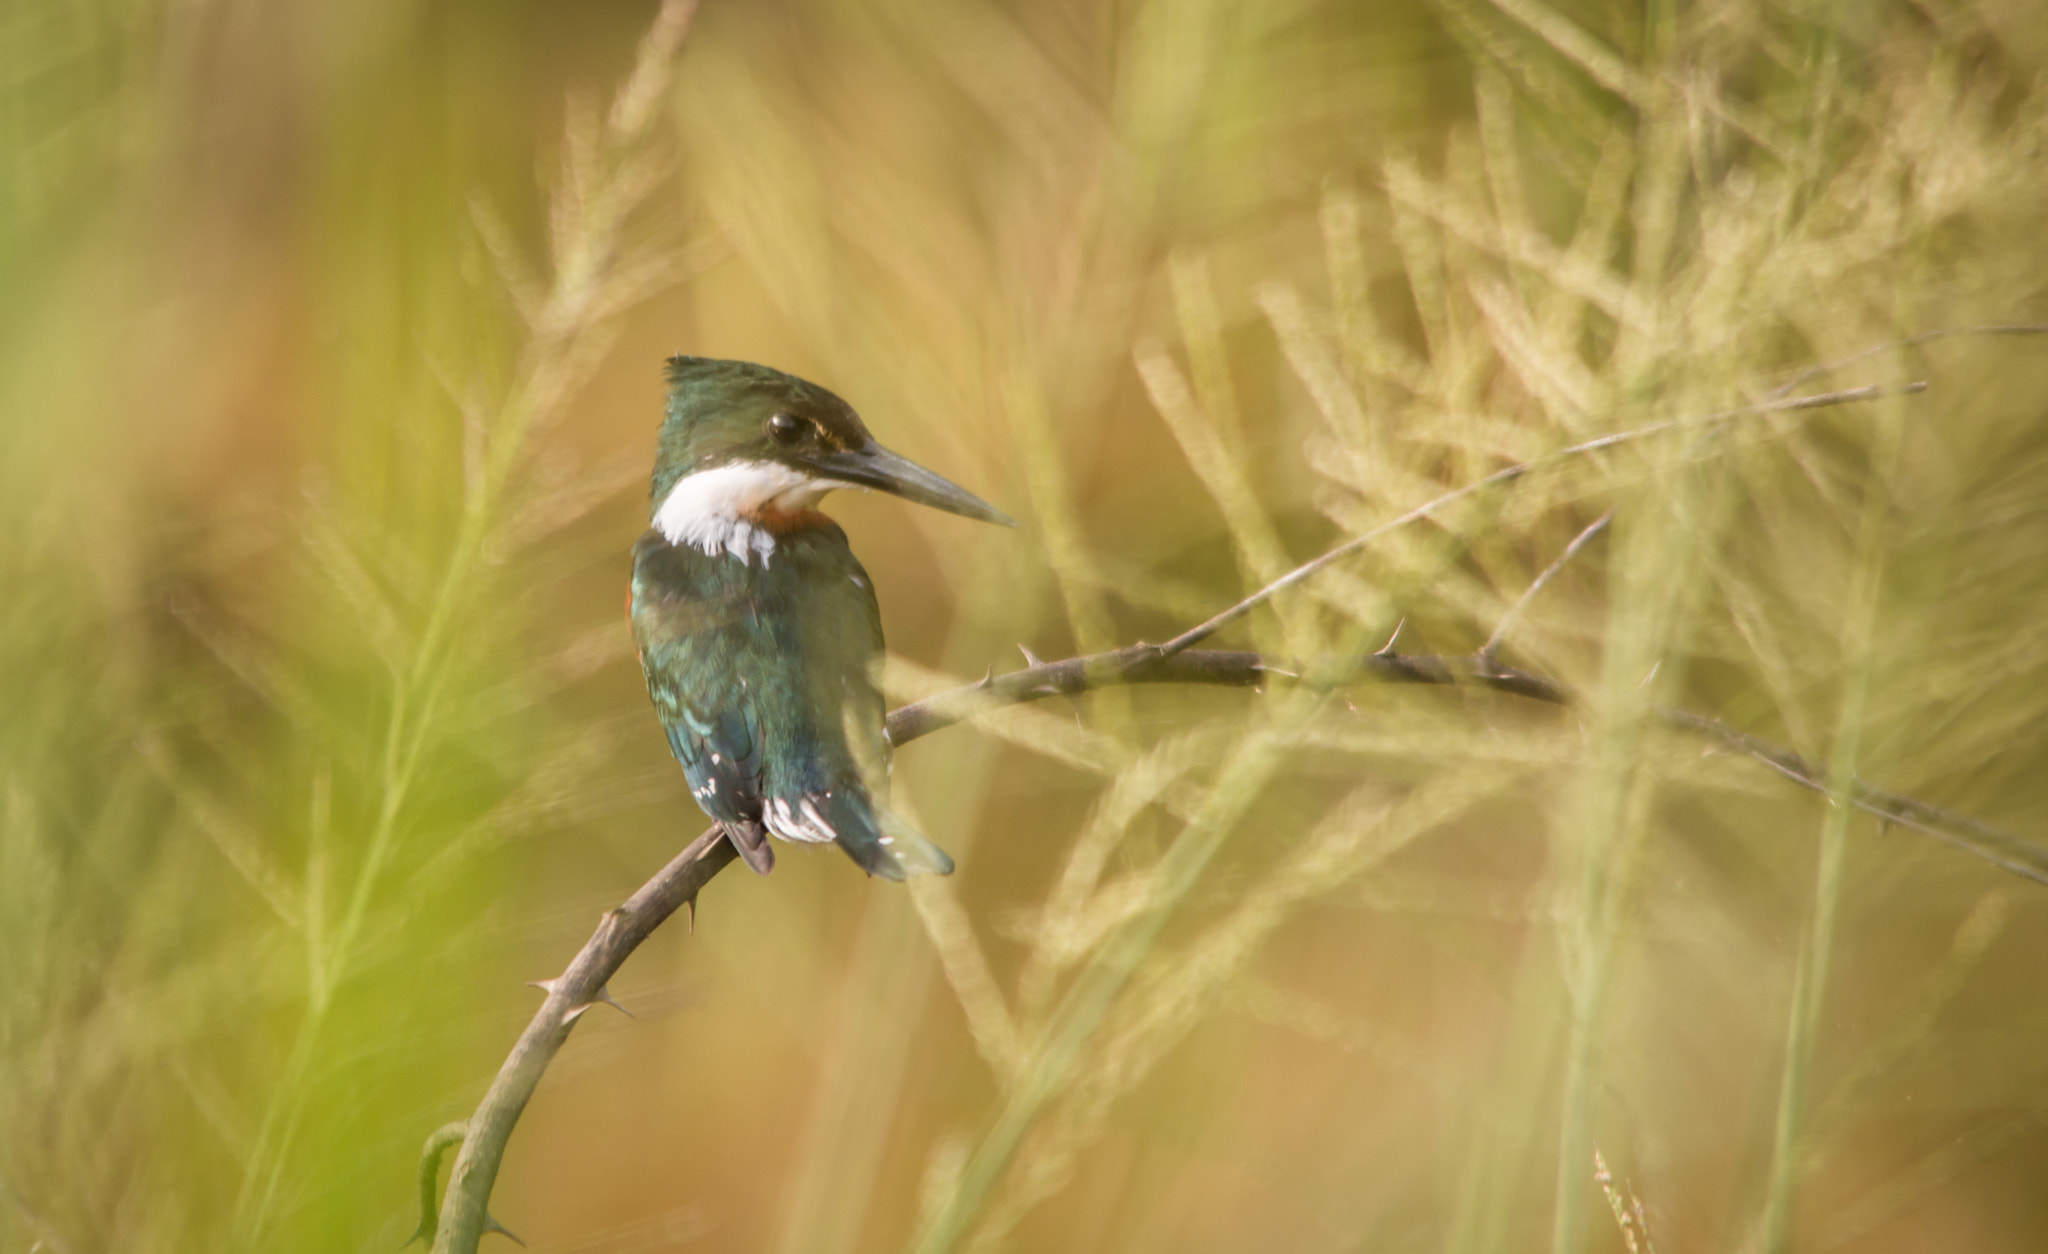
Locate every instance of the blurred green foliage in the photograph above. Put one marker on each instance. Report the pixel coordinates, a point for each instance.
(329, 369)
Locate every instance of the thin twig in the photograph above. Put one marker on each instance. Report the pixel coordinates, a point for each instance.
(1491, 649)
(1811, 373)
(1950, 827)
(1203, 630)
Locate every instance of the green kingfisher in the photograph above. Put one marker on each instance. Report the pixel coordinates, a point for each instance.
(756, 626)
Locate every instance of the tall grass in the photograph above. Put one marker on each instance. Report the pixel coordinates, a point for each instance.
(324, 425)
(335, 711)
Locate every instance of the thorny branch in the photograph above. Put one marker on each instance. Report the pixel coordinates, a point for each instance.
(463, 1214)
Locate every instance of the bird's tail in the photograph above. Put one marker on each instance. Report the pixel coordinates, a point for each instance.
(751, 840)
(881, 841)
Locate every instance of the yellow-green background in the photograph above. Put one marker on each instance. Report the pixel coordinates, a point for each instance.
(320, 730)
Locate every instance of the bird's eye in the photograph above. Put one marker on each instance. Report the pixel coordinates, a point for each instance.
(786, 428)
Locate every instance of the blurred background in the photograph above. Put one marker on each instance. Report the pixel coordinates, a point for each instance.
(330, 365)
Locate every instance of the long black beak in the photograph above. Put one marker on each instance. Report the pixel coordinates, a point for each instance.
(872, 466)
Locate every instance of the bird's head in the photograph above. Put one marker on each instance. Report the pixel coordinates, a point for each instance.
(742, 441)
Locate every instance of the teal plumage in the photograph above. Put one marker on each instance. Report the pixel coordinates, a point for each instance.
(764, 679)
(757, 628)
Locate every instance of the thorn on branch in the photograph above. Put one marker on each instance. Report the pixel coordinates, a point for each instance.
(603, 995)
(604, 991)
(491, 1224)
(1387, 649)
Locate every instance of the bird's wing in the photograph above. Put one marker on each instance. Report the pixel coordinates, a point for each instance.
(721, 757)
(693, 636)
(836, 788)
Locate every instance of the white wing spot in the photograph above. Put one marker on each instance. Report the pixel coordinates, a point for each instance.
(800, 823)
(815, 822)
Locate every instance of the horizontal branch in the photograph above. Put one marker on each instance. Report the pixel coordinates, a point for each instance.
(1143, 664)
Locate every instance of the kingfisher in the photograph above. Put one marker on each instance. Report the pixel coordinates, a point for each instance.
(757, 628)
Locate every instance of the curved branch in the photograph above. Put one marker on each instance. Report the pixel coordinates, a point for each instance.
(464, 1213)
(464, 1217)
(439, 1142)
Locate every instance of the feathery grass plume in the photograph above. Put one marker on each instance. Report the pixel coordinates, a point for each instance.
(323, 695)
(598, 268)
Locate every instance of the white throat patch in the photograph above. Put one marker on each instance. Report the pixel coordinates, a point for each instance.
(718, 510)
